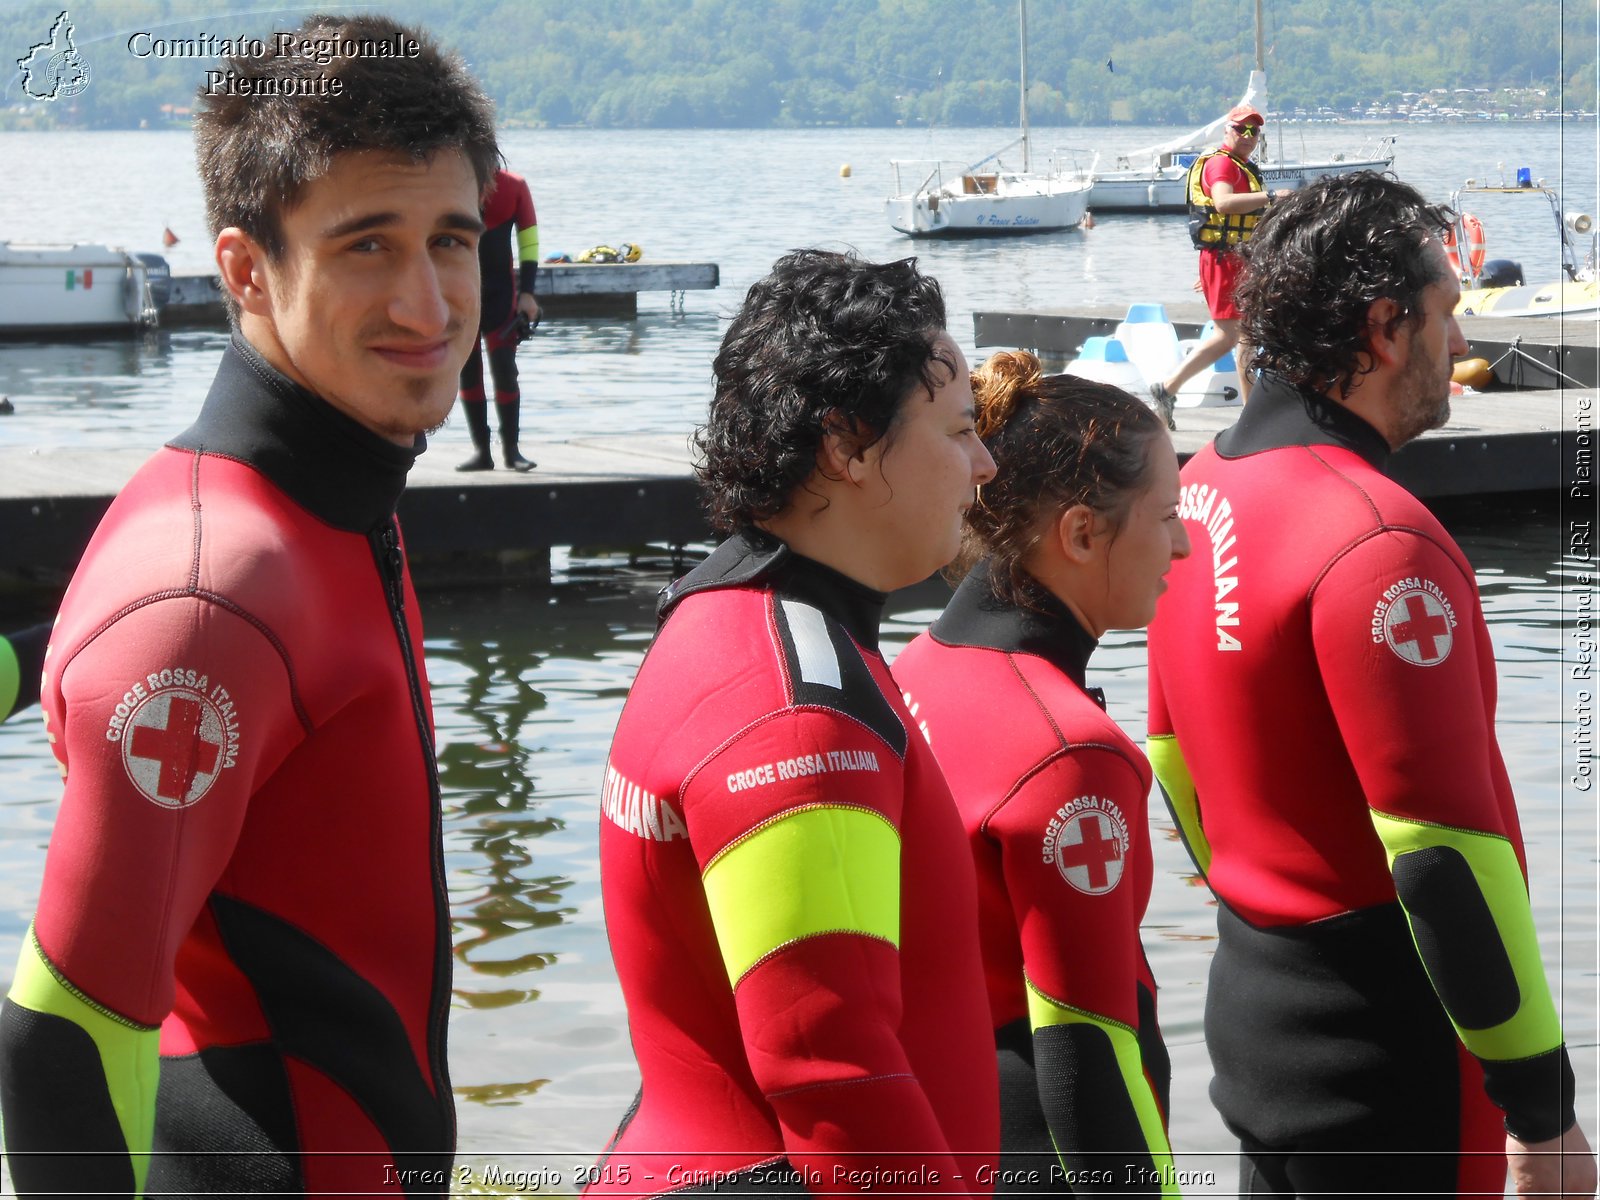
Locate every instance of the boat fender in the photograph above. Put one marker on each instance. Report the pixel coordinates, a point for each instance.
(1477, 250)
(1472, 373)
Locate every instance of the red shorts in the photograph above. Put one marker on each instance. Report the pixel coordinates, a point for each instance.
(1219, 275)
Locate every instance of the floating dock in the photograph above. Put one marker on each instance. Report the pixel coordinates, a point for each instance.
(1526, 352)
(564, 290)
(632, 491)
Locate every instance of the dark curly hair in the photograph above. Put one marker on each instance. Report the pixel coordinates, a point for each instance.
(266, 126)
(1318, 259)
(826, 343)
(1057, 441)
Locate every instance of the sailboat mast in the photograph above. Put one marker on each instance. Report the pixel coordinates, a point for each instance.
(1261, 60)
(1022, 21)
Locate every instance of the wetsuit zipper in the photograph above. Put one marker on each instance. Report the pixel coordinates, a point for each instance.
(385, 542)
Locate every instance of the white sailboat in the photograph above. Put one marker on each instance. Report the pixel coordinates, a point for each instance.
(1152, 178)
(948, 199)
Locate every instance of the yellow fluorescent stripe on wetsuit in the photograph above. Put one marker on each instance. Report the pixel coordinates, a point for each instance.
(1045, 1010)
(10, 678)
(128, 1052)
(528, 244)
(1534, 1028)
(1172, 773)
(825, 869)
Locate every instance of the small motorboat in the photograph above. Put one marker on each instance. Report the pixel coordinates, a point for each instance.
(1495, 287)
(48, 288)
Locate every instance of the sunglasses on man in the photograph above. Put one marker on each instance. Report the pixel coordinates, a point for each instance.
(1247, 130)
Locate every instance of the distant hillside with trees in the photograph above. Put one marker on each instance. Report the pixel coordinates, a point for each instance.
(778, 63)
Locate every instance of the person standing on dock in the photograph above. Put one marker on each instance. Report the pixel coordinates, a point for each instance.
(789, 896)
(1322, 705)
(1073, 537)
(1226, 197)
(238, 976)
(509, 311)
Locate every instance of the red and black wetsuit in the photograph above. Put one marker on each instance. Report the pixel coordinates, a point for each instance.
(507, 209)
(790, 903)
(1322, 697)
(246, 868)
(1055, 812)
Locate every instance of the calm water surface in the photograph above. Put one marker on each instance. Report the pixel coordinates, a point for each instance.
(528, 682)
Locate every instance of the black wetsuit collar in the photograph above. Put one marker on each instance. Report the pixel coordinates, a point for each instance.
(1280, 414)
(753, 557)
(977, 617)
(331, 465)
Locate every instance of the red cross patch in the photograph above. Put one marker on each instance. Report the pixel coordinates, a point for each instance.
(1087, 840)
(1419, 628)
(172, 747)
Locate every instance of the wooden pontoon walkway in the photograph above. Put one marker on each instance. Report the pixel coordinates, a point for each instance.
(634, 490)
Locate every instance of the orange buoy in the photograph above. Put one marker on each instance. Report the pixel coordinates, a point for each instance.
(1477, 246)
(1473, 372)
(1088, 220)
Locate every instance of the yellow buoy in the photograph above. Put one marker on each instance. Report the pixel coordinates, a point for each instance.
(1473, 372)
(844, 171)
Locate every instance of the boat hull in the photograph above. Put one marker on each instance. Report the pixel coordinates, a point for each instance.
(1163, 191)
(61, 288)
(1531, 300)
(940, 214)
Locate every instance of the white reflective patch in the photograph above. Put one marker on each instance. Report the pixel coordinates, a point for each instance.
(819, 663)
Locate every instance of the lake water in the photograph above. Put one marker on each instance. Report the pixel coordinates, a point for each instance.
(528, 682)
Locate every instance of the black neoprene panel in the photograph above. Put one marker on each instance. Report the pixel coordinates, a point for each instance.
(1067, 1056)
(1456, 936)
(68, 1113)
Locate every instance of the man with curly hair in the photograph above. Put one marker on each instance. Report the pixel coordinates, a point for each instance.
(238, 976)
(789, 896)
(1322, 701)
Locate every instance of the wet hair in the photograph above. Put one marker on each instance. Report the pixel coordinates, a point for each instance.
(1057, 441)
(273, 123)
(1316, 262)
(826, 343)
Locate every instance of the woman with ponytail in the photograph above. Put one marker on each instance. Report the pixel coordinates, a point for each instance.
(1071, 538)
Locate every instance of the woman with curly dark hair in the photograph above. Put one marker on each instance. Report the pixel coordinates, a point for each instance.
(788, 895)
(1073, 538)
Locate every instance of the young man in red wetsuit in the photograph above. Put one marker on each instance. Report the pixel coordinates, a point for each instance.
(789, 896)
(238, 976)
(1072, 538)
(1322, 702)
(507, 300)
(1226, 197)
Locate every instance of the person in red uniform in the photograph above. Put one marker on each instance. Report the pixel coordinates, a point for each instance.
(1226, 197)
(788, 894)
(1322, 702)
(508, 303)
(238, 976)
(1072, 538)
